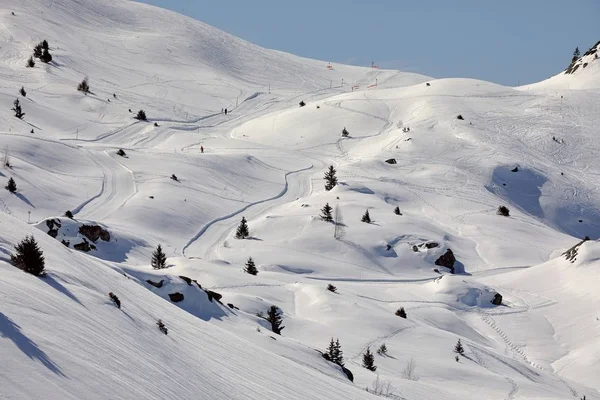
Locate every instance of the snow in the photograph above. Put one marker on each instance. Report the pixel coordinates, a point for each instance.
(62, 337)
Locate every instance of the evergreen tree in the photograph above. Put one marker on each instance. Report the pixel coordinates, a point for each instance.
(69, 214)
(251, 267)
(141, 116)
(366, 217)
(504, 211)
(326, 213)
(338, 353)
(274, 317)
(330, 352)
(115, 299)
(29, 257)
(30, 63)
(159, 259)
(397, 211)
(331, 288)
(382, 350)
(401, 313)
(84, 86)
(23, 92)
(368, 361)
(242, 230)
(11, 186)
(46, 56)
(38, 50)
(576, 54)
(330, 178)
(45, 45)
(458, 348)
(345, 132)
(17, 109)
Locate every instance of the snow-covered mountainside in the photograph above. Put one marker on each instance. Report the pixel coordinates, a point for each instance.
(430, 160)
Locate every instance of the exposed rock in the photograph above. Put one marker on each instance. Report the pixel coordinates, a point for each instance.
(196, 282)
(447, 260)
(415, 248)
(66, 242)
(431, 245)
(571, 254)
(176, 297)
(348, 373)
(515, 169)
(94, 232)
(230, 305)
(53, 227)
(186, 279)
(459, 117)
(84, 246)
(156, 284)
(214, 295)
(497, 299)
(391, 161)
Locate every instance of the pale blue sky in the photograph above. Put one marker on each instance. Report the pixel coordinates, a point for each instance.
(503, 41)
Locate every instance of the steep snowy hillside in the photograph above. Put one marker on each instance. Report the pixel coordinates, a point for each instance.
(431, 161)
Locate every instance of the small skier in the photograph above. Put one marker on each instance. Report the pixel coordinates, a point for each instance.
(201, 149)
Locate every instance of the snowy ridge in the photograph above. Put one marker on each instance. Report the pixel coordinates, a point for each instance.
(530, 148)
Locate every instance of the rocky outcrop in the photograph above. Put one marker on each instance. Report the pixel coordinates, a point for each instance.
(176, 297)
(571, 254)
(497, 299)
(391, 161)
(84, 246)
(53, 227)
(186, 279)
(94, 232)
(214, 295)
(447, 260)
(156, 284)
(348, 373)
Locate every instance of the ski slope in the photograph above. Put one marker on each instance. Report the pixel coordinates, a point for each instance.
(530, 148)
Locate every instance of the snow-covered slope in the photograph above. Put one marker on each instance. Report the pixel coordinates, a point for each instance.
(530, 148)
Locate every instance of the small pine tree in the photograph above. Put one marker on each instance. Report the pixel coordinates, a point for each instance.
(162, 327)
(242, 230)
(274, 317)
(251, 267)
(397, 211)
(382, 350)
(368, 360)
(338, 353)
(141, 116)
(38, 50)
(302, 103)
(30, 62)
(504, 211)
(84, 86)
(23, 92)
(29, 257)
(159, 259)
(576, 54)
(401, 313)
(326, 213)
(11, 186)
(46, 56)
(69, 214)
(331, 288)
(121, 153)
(115, 299)
(345, 132)
(45, 45)
(458, 348)
(330, 178)
(175, 178)
(17, 109)
(330, 352)
(366, 217)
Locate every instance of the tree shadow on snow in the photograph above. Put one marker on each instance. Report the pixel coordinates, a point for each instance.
(24, 199)
(12, 331)
(58, 286)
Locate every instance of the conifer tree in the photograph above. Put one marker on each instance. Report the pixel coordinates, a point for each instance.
(46, 56)
(251, 267)
(17, 109)
(382, 350)
(458, 348)
(38, 50)
(11, 186)
(330, 178)
(242, 231)
(159, 259)
(84, 86)
(345, 132)
(368, 360)
(45, 45)
(338, 353)
(274, 317)
(22, 91)
(326, 213)
(397, 211)
(331, 288)
(401, 313)
(366, 217)
(30, 62)
(141, 115)
(29, 257)
(576, 54)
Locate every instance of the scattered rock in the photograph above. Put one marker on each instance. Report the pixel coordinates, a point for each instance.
(84, 246)
(447, 260)
(176, 297)
(214, 295)
(94, 232)
(431, 245)
(53, 227)
(66, 242)
(459, 117)
(515, 169)
(497, 299)
(156, 284)
(415, 248)
(186, 279)
(391, 161)
(427, 84)
(232, 306)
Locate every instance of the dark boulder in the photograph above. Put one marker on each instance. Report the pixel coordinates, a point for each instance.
(53, 227)
(446, 260)
(213, 295)
(186, 279)
(84, 246)
(94, 232)
(176, 297)
(431, 245)
(515, 169)
(348, 373)
(497, 299)
(391, 161)
(156, 284)
(459, 117)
